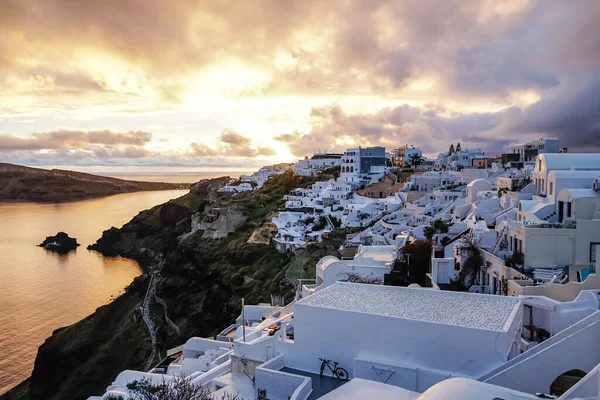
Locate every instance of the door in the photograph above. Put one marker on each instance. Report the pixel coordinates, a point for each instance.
(443, 272)
(561, 211)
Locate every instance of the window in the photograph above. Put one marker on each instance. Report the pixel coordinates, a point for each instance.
(569, 209)
(593, 251)
(551, 190)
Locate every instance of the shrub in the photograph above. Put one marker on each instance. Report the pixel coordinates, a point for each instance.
(474, 260)
(179, 388)
(321, 223)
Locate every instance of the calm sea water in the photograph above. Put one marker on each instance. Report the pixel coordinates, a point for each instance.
(41, 291)
(183, 177)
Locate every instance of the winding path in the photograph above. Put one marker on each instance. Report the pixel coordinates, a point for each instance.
(148, 321)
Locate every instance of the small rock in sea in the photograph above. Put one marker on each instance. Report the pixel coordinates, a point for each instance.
(60, 243)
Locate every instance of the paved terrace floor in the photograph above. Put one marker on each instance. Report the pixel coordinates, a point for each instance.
(320, 385)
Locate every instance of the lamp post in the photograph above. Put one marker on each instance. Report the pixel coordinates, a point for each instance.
(243, 321)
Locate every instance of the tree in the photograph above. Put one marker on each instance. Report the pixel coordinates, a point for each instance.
(416, 159)
(435, 227)
(474, 259)
(458, 147)
(451, 151)
(417, 255)
(358, 278)
(178, 388)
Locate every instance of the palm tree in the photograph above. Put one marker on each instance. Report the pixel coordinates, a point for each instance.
(416, 159)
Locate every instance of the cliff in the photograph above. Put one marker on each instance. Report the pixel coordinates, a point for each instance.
(200, 278)
(35, 184)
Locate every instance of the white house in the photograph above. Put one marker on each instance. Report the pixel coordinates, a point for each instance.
(561, 179)
(363, 165)
(395, 343)
(441, 161)
(370, 263)
(545, 163)
(464, 159)
(430, 180)
(530, 150)
(423, 335)
(315, 164)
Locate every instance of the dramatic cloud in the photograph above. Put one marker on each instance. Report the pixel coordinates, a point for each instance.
(231, 144)
(66, 146)
(66, 138)
(492, 132)
(306, 75)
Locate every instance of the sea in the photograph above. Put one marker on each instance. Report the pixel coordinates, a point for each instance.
(41, 291)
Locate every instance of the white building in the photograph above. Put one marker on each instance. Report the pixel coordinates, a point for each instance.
(363, 165)
(529, 150)
(396, 343)
(317, 163)
(264, 173)
(430, 180)
(464, 158)
(370, 264)
(441, 161)
(404, 155)
(546, 163)
(423, 334)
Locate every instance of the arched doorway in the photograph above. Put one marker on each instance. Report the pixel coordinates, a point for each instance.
(565, 381)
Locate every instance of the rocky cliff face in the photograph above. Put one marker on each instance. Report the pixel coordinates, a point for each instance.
(201, 279)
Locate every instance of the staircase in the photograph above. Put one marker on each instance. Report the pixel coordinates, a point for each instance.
(329, 222)
(576, 347)
(499, 240)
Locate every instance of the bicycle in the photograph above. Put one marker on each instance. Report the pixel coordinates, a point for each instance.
(338, 372)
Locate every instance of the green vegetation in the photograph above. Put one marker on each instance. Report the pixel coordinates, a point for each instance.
(416, 264)
(435, 227)
(416, 159)
(473, 260)
(179, 388)
(516, 260)
(320, 224)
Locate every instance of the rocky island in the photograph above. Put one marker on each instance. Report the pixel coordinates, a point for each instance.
(199, 276)
(60, 243)
(34, 184)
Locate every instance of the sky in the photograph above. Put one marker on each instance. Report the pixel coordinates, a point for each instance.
(241, 84)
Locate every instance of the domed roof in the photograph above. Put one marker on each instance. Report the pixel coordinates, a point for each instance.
(481, 184)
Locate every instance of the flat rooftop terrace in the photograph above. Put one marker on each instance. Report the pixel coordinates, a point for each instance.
(468, 310)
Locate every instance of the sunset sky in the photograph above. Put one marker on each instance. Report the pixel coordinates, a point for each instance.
(241, 84)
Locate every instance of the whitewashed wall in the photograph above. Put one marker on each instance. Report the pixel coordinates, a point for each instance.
(434, 349)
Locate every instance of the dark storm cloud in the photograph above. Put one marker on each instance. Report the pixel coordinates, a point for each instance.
(572, 115)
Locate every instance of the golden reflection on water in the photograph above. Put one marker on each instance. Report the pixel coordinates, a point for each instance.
(41, 291)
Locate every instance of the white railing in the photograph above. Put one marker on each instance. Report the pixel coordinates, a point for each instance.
(585, 323)
(270, 369)
(303, 391)
(212, 374)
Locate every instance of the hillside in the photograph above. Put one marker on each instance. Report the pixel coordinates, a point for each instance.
(35, 184)
(202, 280)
